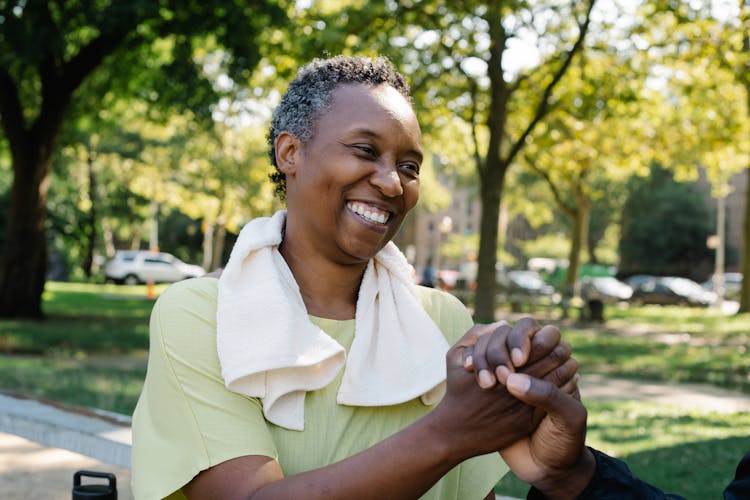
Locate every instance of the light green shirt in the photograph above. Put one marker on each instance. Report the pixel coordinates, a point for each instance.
(187, 420)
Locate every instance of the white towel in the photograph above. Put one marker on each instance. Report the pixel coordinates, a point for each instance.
(268, 347)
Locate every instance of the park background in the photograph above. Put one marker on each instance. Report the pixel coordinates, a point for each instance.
(614, 133)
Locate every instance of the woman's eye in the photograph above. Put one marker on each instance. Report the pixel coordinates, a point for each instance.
(367, 150)
(413, 168)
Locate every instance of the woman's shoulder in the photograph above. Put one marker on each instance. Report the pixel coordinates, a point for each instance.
(186, 311)
(446, 310)
(200, 292)
(434, 298)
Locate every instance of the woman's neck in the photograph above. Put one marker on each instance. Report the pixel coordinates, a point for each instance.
(328, 289)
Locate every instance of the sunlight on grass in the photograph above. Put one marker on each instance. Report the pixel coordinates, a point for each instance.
(75, 381)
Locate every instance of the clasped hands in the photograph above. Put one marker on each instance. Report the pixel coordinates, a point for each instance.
(522, 383)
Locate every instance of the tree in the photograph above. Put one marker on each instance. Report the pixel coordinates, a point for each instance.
(703, 54)
(465, 46)
(664, 228)
(49, 50)
(592, 141)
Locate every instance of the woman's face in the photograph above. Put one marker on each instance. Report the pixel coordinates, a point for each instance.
(355, 180)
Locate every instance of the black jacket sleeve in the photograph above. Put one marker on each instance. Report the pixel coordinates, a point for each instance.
(614, 481)
(739, 488)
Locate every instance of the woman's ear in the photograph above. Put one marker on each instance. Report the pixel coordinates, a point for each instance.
(287, 153)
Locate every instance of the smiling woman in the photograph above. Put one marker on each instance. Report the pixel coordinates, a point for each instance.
(314, 367)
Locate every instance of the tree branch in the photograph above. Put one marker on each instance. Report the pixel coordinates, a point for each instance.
(553, 187)
(543, 107)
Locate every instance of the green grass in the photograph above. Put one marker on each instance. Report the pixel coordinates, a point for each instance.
(75, 380)
(90, 350)
(668, 344)
(83, 319)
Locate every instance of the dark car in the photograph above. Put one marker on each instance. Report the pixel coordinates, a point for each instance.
(672, 291)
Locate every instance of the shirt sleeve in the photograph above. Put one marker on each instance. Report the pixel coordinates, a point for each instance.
(186, 420)
(614, 480)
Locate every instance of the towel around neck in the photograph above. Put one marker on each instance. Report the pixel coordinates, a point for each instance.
(268, 347)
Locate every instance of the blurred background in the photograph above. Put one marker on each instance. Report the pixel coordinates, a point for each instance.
(587, 164)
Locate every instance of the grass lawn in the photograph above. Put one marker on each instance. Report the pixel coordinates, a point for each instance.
(667, 343)
(92, 348)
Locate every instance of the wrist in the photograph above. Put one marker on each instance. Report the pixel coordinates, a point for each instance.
(570, 482)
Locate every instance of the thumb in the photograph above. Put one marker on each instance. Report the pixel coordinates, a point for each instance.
(546, 396)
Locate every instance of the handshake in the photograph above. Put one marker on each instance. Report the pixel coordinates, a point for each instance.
(513, 389)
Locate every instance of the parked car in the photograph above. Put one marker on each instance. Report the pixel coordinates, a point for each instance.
(605, 288)
(672, 290)
(732, 285)
(141, 266)
(637, 280)
(523, 282)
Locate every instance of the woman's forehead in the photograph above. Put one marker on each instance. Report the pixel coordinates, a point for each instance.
(358, 103)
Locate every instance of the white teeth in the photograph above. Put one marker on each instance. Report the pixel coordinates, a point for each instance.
(369, 213)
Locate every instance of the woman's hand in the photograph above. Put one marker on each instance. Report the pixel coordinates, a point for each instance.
(499, 349)
(480, 420)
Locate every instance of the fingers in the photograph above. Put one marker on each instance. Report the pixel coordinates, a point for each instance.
(565, 410)
(462, 351)
(491, 357)
(519, 340)
(543, 342)
(553, 360)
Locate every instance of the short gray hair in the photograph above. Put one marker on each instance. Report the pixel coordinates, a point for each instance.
(310, 94)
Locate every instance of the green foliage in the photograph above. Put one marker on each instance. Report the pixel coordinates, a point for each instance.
(664, 228)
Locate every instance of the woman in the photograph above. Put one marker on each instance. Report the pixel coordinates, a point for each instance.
(257, 385)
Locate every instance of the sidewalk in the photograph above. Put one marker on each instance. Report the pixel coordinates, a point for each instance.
(42, 444)
(32, 471)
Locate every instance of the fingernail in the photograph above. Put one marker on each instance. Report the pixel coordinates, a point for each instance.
(517, 356)
(486, 380)
(518, 382)
(502, 373)
(468, 362)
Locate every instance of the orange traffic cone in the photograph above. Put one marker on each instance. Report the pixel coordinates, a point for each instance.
(150, 290)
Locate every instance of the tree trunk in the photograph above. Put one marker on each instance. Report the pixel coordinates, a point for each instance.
(88, 260)
(24, 263)
(208, 245)
(490, 189)
(745, 260)
(579, 236)
(220, 238)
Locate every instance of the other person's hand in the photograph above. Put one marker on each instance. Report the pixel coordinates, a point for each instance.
(553, 458)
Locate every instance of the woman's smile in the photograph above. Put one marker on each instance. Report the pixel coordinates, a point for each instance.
(369, 213)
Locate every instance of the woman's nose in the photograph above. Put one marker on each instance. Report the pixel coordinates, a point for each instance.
(387, 180)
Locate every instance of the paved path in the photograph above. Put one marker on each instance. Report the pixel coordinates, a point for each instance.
(706, 397)
(31, 471)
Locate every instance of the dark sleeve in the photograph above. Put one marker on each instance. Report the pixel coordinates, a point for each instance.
(613, 480)
(740, 487)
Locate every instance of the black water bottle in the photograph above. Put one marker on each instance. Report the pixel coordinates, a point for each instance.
(94, 491)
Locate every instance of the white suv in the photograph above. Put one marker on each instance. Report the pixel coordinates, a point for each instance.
(141, 266)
